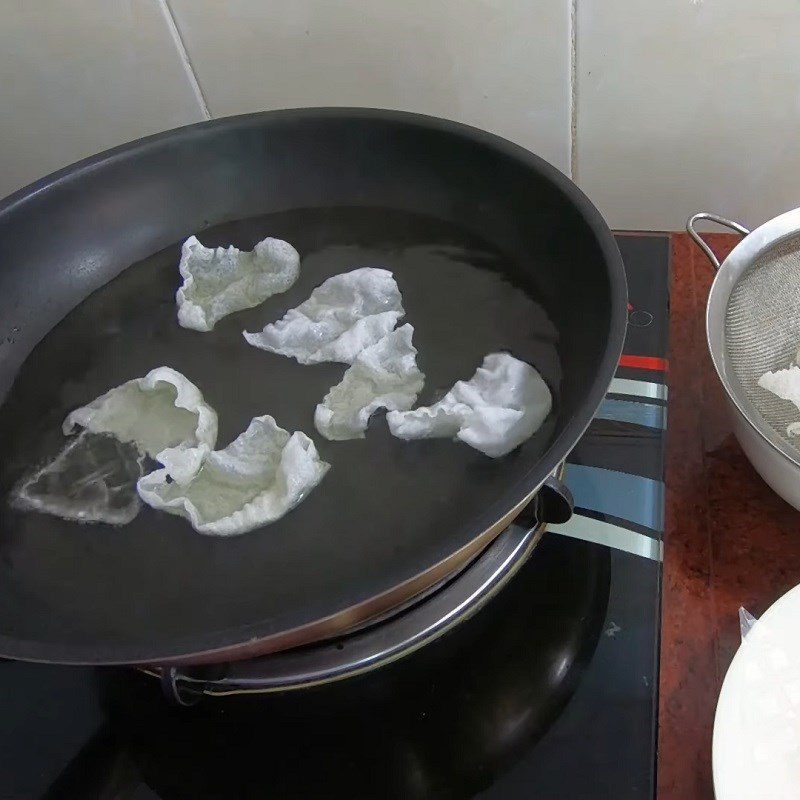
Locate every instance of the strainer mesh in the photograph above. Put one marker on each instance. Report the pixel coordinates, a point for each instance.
(762, 330)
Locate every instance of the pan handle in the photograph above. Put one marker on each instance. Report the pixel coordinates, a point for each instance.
(552, 505)
(554, 502)
(701, 243)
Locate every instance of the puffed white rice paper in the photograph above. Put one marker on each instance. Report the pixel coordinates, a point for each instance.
(94, 476)
(163, 414)
(383, 375)
(255, 480)
(784, 383)
(220, 280)
(341, 317)
(501, 406)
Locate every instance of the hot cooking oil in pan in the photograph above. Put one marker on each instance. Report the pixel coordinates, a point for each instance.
(462, 298)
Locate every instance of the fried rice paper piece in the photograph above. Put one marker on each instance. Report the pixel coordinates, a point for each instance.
(220, 280)
(501, 406)
(341, 317)
(255, 480)
(384, 375)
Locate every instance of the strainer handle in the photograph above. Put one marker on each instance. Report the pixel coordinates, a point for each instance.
(727, 223)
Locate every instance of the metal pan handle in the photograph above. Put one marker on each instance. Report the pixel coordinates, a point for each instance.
(555, 503)
(727, 223)
(552, 505)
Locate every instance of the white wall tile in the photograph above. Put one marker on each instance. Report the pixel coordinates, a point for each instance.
(502, 65)
(688, 105)
(79, 77)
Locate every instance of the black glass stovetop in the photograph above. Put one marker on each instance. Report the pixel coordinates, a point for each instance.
(550, 691)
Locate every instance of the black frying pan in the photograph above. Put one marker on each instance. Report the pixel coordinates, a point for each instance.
(492, 249)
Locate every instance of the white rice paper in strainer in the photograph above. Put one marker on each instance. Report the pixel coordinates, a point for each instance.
(762, 331)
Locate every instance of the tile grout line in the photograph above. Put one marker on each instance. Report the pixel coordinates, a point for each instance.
(573, 90)
(183, 54)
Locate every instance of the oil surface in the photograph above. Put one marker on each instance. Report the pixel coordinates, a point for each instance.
(385, 510)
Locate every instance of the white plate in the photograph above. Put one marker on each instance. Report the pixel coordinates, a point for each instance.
(756, 749)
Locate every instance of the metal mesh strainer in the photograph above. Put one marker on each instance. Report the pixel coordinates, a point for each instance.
(762, 330)
(753, 320)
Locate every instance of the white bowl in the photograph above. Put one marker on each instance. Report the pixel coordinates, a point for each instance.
(756, 747)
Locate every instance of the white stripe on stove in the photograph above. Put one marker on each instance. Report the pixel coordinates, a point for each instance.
(593, 530)
(657, 391)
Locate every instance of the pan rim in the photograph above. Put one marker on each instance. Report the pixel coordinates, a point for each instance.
(256, 638)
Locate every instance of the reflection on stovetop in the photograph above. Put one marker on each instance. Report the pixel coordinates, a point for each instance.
(441, 722)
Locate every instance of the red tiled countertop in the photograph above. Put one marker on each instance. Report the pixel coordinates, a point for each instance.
(729, 542)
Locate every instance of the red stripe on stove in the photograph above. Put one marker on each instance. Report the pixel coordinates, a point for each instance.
(644, 362)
